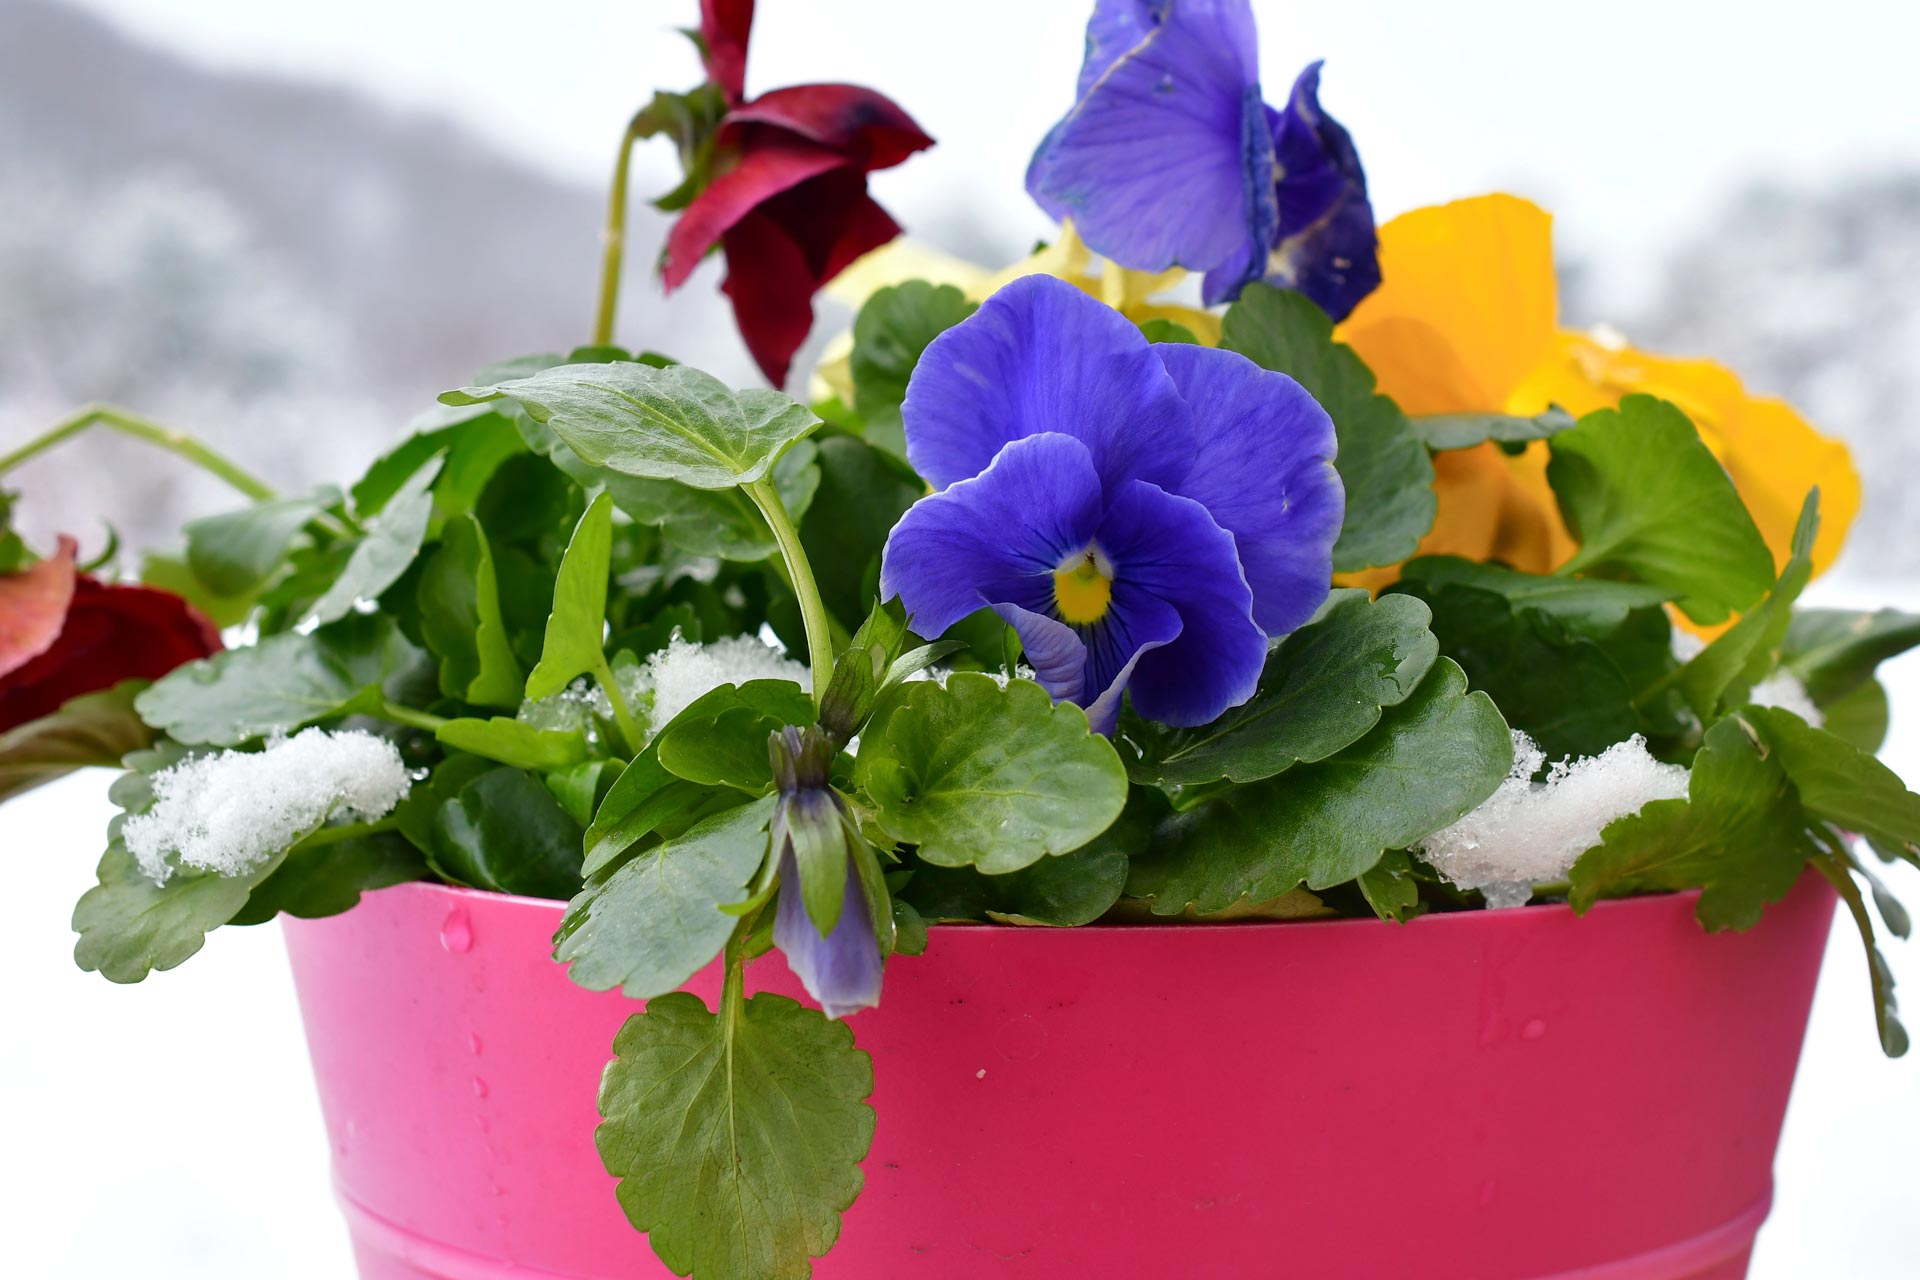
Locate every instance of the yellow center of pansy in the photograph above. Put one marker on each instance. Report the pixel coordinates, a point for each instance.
(1083, 587)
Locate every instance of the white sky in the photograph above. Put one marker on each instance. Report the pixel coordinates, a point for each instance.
(1630, 118)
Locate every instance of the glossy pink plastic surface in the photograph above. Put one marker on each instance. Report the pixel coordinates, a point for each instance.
(1508, 1095)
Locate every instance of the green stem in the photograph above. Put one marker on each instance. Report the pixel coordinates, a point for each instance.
(813, 611)
(177, 443)
(630, 730)
(425, 720)
(348, 831)
(613, 239)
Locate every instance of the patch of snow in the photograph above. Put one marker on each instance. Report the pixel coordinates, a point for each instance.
(230, 812)
(1783, 689)
(681, 672)
(1527, 832)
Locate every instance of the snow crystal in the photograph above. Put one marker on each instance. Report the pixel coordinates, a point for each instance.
(681, 672)
(1529, 832)
(230, 812)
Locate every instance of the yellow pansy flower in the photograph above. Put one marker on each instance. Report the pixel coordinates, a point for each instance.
(1132, 293)
(1467, 321)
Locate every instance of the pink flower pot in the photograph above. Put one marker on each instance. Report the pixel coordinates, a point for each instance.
(1508, 1095)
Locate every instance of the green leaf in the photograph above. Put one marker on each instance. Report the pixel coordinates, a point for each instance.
(1837, 782)
(283, 682)
(1720, 676)
(863, 493)
(476, 440)
(894, 326)
(1893, 1036)
(514, 742)
(1593, 607)
(1861, 717)
(580, 788)
(392, 540)
(1444, 431)
(1160, 329)
(235, 553)
(1323, 687)
(576, 629)
(1649, 502)
(1833, 652)
(1382, 462)
(1739, 837)
(504, 831)
(94, 729)
(415, 813)
(867, 665)
(737, 1137)
(1428, 762)
(129, 926)
(659, 424)
(993, 778)
(718, 522)
(726, 744)
(1391, 888)
(172, 573)
(461, 622)
(327, 879)
(656, 921)
(1073, 889)
(1560, 688)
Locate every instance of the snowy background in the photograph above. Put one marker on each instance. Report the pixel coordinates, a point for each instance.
(288, 227)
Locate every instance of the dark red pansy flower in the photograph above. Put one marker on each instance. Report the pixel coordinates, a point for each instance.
(789, 206)
(63, 633)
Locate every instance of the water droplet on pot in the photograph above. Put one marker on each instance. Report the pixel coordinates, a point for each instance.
(473, 1045)
(456, 935)
(479, 1087)
(1535, 1028)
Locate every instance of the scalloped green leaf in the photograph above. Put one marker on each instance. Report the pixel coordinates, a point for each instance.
(672, 423)
(981, 776)
(1649, 502)
(1426, 764)
(1323, 688)
(94, 729)
(737, 1137)
(461, 622)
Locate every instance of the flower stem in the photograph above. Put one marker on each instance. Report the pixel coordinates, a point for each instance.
(423, 720)
(813, 612)
(177, 443)
(613, 239)
(348, 831)
(623, 716)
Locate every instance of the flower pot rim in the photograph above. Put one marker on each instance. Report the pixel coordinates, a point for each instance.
(1439, 919)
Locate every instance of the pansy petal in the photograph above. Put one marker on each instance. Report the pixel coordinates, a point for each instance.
(1168, 553)
(1053, 649)
(1137, 623)
(33, 606)
(761, 173)
(1263, 468)
(111, 632)
(833, 220)
(841, 971)
(1153, 162)
(724, 28)
(1041, 356)
(1327, 246)
(868, 128)
(1467, 307)
(996, 537)
(770, 284)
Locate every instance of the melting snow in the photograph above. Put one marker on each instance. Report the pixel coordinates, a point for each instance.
(1782, 689)
(683, 671)
(230, 812)
(1529, 832)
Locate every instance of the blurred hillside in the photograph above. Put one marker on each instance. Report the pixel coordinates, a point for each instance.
(285, 269)
(292, 271)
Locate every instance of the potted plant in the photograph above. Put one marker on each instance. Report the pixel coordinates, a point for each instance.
(1205, 690)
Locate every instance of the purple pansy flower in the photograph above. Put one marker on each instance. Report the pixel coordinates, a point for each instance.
(1170, 157)
(1145, 515)
(842, 967)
